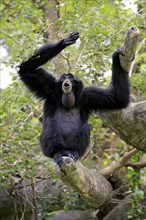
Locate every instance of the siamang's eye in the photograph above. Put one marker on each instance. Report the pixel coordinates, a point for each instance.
(63, 78)
(70, 76)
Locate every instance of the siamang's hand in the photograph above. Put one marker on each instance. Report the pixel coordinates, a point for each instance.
(116, 56)
(71, 39)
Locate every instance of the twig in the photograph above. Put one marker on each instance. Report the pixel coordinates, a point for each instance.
(34, 199)
(14, 196)
(88, 152)
(128, 21)
(117, 165)
(138, 164)
(80, 55)
(11, 37)
(132, 64)
(67, 59)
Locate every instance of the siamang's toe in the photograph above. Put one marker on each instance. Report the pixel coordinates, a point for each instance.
(71, 154)
(59, 161)
(74, 155)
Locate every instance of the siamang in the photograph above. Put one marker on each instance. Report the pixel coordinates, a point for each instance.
(68, 103)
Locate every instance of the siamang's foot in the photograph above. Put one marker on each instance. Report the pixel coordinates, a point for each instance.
(58, 157)
(74, 155)
(71, 39)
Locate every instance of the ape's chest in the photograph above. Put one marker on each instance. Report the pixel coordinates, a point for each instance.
(67, 121)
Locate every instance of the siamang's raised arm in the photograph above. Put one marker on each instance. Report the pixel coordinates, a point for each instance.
(116, 96)
(35, 77)
(38, 81)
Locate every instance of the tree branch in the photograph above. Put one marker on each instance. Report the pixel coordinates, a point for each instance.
(129, 124)
(117, 165)
(138, 164)
(10, 37)
(92, 187)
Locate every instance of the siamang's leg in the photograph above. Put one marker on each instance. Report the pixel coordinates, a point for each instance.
(79, 140)
(51, 141)
(76, 145)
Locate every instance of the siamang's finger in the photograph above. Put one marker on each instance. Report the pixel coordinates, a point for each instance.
(71, 42)
(120, 52)
(74, 34)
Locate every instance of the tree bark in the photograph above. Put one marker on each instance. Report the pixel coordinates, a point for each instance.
(119, 212)
(91, 186)
(129, 48)
(129, 124)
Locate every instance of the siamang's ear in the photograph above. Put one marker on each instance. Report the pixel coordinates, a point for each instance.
(57, 81)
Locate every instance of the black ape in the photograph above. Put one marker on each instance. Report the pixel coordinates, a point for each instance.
(68, 104)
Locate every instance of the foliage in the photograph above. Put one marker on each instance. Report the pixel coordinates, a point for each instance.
(20, 130)
(135, 182)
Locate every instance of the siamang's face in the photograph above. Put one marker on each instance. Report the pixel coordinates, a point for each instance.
(68, 82)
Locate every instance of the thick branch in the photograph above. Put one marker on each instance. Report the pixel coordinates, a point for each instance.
(92, 187)
(129, 124)
(120, 210)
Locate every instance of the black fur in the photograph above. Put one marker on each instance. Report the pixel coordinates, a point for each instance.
(66, 131)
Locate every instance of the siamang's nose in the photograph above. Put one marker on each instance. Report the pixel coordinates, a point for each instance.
(66, 83)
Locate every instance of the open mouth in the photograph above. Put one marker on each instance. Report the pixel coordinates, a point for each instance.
(66, 85)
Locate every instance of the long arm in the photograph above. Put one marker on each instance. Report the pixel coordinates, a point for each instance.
(35, 77)
(116, 96)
